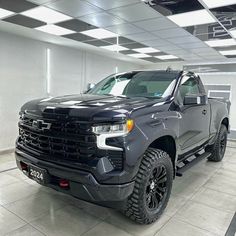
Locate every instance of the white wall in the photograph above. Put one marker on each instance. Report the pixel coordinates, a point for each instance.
(23, 76)
(224, 79)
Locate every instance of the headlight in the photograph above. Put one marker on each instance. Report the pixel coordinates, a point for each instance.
(115, 128)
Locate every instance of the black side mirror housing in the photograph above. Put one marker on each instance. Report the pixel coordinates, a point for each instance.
(195, 100)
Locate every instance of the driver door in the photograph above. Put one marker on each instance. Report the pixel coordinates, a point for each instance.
(195, 119)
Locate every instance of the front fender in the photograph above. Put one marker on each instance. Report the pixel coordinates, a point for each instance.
(146, 131)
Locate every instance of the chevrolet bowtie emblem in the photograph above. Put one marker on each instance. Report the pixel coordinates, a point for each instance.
(41, 125)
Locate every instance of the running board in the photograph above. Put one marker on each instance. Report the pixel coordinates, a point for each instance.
(190, 162)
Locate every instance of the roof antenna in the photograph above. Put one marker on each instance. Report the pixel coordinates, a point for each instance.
(169, 69)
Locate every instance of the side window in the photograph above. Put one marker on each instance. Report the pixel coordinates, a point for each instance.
(188, 86)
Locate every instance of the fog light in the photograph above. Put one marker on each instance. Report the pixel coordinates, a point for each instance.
(63, 183)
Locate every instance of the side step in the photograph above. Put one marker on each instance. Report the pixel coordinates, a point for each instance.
(190, 162)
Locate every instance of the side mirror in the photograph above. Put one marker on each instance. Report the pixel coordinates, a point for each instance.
(195, 100)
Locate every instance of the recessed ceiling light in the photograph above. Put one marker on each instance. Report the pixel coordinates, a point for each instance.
(219, 3)
(228, 52)
(146, 50)
(221, 43)
(114, 48)
(139, 55)
(166, 57)
(46, 15)
(199, 17)
(99, 33)
(5, 13)
(54, 29)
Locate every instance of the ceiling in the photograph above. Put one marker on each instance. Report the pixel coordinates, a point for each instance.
(150, 30)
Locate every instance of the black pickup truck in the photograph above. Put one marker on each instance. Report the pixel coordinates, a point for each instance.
(120, 143)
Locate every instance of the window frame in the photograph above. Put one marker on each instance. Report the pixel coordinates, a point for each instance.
(199, 85)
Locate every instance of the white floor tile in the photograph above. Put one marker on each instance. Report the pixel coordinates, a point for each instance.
(26, 230)
(9, 221)
(189, 184)
(31, 208)
(17, 174)
(124, 223)
(95, 210)
(223, 181)
(15, 191)
(7, 179)
(216, 199)
(104, 228)
(176, 227)
(69, 221)
(174, 204)
(205, 217)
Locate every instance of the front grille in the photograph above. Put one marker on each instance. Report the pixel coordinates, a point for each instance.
(65, 148)
(61, 127)
(70, 140)
(65, 141)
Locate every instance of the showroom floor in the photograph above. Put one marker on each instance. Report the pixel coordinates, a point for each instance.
(203, 202)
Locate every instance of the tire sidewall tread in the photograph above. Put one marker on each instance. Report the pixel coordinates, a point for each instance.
(214, 149)
(136, 207)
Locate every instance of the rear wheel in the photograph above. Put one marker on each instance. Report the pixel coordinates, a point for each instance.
(152, 187)
(217, 150)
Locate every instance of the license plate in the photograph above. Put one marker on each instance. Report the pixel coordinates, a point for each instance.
(38, 174)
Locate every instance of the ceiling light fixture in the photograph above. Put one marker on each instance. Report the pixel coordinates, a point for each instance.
(99, 33)
(139, 55)
(54, 29)
(228, 52)
(46, 15)
(221, 43)
(5, 13)
(199, 17)
(114, 48)
(166, 57)
(218, 3)
(146, 50)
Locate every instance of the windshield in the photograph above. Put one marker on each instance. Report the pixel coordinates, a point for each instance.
(151, 84)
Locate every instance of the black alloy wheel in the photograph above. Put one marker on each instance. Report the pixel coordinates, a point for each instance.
(218, 149)
(152, 187)
(156, 188)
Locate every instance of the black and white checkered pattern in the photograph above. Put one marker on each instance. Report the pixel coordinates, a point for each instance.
(138, 24)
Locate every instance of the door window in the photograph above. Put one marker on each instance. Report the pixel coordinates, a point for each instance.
(188, 86)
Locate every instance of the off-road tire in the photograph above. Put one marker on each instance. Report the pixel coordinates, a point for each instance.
(217, 154)
(137, 207)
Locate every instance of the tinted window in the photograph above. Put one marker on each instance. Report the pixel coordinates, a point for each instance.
(153, 84)
(188, 86)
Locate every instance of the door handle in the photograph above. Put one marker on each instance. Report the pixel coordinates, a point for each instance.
(204, 112)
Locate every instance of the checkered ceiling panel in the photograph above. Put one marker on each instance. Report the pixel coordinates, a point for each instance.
(151, 30)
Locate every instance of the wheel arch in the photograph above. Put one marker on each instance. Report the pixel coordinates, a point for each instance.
(166, 143)
(225, 122)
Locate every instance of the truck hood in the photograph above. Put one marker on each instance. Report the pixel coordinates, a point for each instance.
(88, 107)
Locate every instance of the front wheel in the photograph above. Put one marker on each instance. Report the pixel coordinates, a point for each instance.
(152, 187)
(217, 150)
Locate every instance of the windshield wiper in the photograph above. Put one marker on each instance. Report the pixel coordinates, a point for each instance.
(148, 97)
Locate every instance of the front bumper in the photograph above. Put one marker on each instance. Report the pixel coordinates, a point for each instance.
(83, 184)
